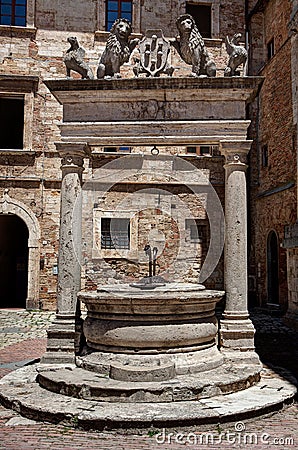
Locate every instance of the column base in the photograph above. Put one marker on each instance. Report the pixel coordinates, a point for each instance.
(64, 337)
(237, 332)
(32, 303)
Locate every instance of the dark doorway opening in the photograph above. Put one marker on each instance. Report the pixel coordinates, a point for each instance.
(12, 123)
(13, 262)
(202, 17)
(272, 268)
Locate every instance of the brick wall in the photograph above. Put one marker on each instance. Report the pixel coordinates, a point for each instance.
(273, 193)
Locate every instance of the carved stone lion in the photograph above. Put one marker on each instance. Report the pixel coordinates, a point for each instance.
(74, 60)
(118, 50)
(237, 55)
(191, 48)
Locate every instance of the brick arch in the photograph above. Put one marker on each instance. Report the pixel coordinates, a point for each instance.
(10, 206)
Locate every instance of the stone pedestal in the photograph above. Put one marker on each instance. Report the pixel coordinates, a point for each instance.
(151, 335)
(65, 331)
(237, 330)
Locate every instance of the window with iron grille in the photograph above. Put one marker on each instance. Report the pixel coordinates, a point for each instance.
(13, 12)
(116, 9)
(122, 148)
(115, 233)
(197, 228)
(199, 232)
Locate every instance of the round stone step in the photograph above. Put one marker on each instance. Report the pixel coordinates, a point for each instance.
(20, 392)
(80, 383)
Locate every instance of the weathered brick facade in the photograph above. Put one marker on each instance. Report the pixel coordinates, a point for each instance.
(33, 176)
(273, 159)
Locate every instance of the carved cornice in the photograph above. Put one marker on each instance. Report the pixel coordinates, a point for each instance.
(63, 89)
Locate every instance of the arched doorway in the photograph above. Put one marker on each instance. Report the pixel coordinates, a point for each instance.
(10, 207)
(14, 236)
(272, 268)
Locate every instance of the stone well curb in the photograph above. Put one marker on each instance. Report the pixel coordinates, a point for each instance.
(20, 392)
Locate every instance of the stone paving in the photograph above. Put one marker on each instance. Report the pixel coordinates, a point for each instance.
(22, 339)
(18, 325)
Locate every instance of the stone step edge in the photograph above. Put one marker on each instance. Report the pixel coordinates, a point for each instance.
(194, 386)
(270, 395)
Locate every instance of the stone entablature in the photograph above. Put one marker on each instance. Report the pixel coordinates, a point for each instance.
(164, 111)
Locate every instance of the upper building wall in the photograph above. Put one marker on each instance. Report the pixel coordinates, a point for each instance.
(227, 17)
(268, 30)
(67, 16)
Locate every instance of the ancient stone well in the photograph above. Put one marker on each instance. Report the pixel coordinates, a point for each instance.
(160, 348)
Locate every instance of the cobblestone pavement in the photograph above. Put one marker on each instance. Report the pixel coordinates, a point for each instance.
(23, 339)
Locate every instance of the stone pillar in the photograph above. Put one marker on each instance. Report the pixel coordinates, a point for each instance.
(32, 301)
(65, 332)
(236, 329)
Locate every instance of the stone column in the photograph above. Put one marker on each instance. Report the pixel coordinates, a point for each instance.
(32, 301)
(236, 329)
(65, 332)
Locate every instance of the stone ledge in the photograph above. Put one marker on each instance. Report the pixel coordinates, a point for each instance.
(80, 383)
(242, 83)
(19, 392)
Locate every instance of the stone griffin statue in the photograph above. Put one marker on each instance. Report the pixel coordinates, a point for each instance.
(237, 55)
(191, 48)
(74, 60)
(118, 50)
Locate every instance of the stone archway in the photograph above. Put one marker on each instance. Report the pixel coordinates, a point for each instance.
(8, 206)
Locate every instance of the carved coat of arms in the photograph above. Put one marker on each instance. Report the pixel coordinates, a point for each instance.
(154, 52)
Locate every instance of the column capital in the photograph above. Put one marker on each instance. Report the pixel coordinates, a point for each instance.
(72, 154)
(73, 148)
(235, 151)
